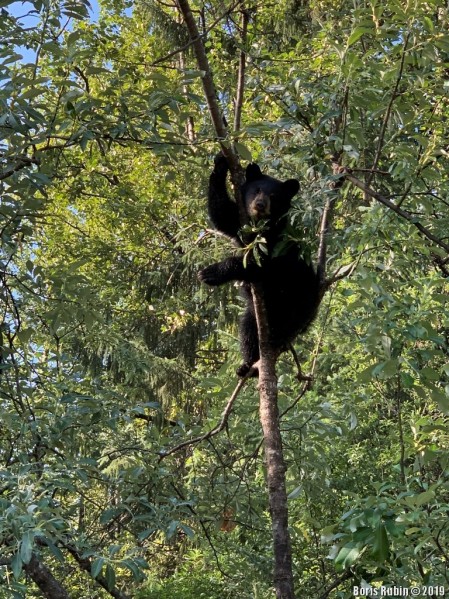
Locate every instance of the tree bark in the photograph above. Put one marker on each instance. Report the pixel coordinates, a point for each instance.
(44, 579)
(274, 455)
(241, 73)
(211, 99)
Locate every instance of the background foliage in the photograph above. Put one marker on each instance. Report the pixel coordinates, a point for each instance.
(111, 352)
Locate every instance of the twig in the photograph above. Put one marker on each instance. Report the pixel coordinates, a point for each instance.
(22, 163)
(325, 225)
(86, 565)
(386, 202)
(336, 584)
(388, 112)
(241, 74)
(217, 429)
(192, 41)
(344, 271)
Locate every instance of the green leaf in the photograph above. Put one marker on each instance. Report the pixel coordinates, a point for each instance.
(97, 566)
(423, 498)
(55, 550)
(347, 555)
(243, 151)
(295, 493)
(25, 335)
(133, 567)
(430, 374)
(26, 547)
(187, 530)
(172, 529)
(110, 577)
(381, 547)
(16, 565)
(108, 515)
(356, 35)
(428, 24)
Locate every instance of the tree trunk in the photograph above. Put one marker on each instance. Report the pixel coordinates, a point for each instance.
(268, 394)
(274, 456)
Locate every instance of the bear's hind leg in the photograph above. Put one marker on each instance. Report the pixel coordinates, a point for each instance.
(249, 343)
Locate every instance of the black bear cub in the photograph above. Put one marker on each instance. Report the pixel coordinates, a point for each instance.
(290, 285)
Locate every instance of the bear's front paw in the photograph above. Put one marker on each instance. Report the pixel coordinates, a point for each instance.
(221, 164)
(209, 276)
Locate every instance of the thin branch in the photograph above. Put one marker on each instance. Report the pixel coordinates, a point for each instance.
(326, 219)
(22, 163)
(83, 77)
(386, 202)
(190, 124)
(308, 382)
(325, 226)
(400, 430)
(336, 584)
(205, 530)
(346, 270)
(241, 74)
(192, 41)
(322, 248)
(218, 428)
(86, 565)
(438, 544)
(388, 112)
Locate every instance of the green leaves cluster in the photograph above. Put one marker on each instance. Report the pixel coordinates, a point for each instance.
(111, 351)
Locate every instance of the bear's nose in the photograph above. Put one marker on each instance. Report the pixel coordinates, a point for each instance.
(260, 205)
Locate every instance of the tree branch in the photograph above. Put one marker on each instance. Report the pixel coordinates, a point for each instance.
(203, 64)
(212, 102)
(326, 219)
(322, 248)
(86, 565)
(274, 455)
(44, 579)
(268, 394)
(388, 112)
(241, 74)
(345, 576)
(386, 202)
(218, 428)
(22, 163)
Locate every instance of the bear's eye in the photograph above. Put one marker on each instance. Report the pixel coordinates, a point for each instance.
(272, 196)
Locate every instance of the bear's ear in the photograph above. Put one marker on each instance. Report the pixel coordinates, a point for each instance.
(253, 172)
(290, 187)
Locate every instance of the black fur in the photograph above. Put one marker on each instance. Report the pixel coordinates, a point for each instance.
(290, 285)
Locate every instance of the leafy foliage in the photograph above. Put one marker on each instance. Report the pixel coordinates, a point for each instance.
(111, 352)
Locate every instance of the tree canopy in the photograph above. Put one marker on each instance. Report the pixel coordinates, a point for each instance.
(115, 362)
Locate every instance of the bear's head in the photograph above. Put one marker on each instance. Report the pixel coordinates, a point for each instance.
(266, 197)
